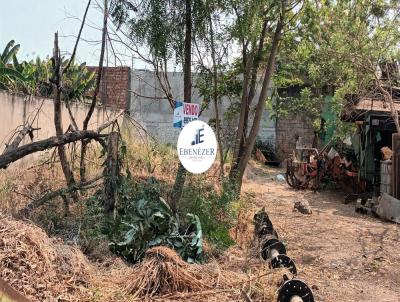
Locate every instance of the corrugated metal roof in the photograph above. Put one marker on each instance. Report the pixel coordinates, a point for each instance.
(357, 107)
(375, 105)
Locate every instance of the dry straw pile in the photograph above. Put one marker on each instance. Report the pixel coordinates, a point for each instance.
(164, 276)
(40, 268)
(45, 269)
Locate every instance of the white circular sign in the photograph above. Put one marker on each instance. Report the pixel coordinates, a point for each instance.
(197, 147)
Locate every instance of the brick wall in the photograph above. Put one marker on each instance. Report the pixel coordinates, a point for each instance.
(288, 129)
(115, 87)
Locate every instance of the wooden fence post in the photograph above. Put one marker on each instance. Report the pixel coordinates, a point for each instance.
(112, 173)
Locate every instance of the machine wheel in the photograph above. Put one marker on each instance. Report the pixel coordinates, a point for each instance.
(295, 288)
(284, 261)
(291, 179)
(270, 244)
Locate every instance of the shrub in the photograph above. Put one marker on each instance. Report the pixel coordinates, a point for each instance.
(149, 223)
(213, 209)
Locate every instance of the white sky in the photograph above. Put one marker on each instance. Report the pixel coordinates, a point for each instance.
(32, 24)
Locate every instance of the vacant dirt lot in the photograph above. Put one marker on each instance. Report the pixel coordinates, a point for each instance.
(343, 255)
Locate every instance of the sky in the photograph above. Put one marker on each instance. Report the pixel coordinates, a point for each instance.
(32, 24)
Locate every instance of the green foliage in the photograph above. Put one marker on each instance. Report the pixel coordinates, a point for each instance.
(9, 76)
(120, 11)
(229, 84)
(147, 223)
(307, 102)
(214, 210)
(142, 219)
(34, 77)
(250, 15)
(9, 51)
(77, 82)
(336, 49)
(157, 24)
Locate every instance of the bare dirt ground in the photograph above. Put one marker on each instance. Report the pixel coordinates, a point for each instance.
(343, 255)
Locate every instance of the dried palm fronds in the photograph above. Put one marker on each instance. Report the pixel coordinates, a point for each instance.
(162, 271)
(40, 268)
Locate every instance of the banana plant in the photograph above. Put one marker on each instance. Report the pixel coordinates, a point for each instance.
(78, 81)
(9, 51)
(10, 77)
(34, 77)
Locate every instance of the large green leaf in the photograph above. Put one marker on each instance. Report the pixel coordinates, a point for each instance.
(9, 72)
(9, 51)
(151, 223)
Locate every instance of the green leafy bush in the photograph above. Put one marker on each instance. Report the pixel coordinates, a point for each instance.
(213, 209)
(151, 223)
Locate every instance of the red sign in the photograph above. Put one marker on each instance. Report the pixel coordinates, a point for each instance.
(191, 110)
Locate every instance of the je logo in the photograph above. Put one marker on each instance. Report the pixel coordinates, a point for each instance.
(197, 147)
(198, 138)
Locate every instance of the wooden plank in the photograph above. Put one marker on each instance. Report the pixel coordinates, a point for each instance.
(396, 165)
(9, 294)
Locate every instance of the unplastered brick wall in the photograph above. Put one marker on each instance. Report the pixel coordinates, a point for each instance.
(288, 129)
(115, 87)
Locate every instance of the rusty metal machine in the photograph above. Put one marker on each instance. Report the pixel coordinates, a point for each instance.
(303, 169)
(274, 251)
(310, 168)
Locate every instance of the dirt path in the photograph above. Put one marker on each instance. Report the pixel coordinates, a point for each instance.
(345, 256)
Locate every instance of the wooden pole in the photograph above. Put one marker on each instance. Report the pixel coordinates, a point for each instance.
(112, 172)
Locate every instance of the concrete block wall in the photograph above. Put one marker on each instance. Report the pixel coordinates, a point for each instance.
(155, 114)
(139, 92)
(288, 129)
(17, 109)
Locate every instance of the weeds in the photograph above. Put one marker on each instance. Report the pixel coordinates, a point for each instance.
(141, 220)
(213, 209)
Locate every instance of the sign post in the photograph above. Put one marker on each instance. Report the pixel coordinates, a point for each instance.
(184, 113)
(197, 147)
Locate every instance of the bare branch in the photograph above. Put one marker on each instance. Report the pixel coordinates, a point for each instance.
(77, 39)
(82, 168)
(51, 195)
(54, 141)
(100, 70)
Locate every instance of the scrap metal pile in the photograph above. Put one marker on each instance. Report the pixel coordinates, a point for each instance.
(310, 168)
(274, 251)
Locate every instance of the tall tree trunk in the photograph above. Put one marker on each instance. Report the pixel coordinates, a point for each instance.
(187, 76)
(70, 62)
(215, 96)
(69, 177)
(240, 134)
(84, 143)
(252, 67)
(252, 90)
(187, 87)
(269, 70)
